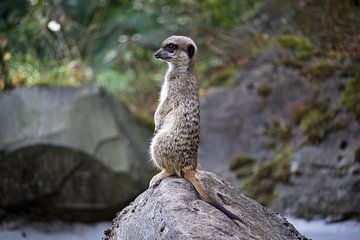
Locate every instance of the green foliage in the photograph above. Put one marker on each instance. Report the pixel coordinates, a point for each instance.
(221, 14)
(114, 41)
(10, 15)
(261, 185)
(26, 70)
(113, 80)
(350, 97)
(320, 70)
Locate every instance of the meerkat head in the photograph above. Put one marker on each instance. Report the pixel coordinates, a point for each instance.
(177, 50)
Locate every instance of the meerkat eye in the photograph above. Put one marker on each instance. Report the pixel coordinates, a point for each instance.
(170, 47)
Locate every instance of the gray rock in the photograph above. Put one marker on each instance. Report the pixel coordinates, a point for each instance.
(326, 181)
(72, 149)
(173, 210)
(233, 120)
(324, 176)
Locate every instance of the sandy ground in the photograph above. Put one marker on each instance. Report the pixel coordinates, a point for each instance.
(316, 230)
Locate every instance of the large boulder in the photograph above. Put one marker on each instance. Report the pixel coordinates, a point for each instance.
(173, 210)
(291, 133)
(75, 151)
(325, 180)
(233, 120)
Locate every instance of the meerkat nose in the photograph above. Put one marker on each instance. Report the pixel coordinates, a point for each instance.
(157, 55)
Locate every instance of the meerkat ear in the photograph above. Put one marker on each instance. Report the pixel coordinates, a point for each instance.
(190, 50)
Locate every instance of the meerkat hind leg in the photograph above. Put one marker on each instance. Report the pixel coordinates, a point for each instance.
(160, 176)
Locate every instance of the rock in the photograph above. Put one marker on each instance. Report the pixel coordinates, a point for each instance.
(304, 16)
(233, 120)
(75, 151)
(305, 118)
(327, 180)
(173, 210)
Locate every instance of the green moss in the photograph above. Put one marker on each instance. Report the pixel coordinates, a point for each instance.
(261, 185)
(277, 133)
(350, 97)
(301, 46)
(315, 120)
(292, 62)
(295, 42)
(320, 70)
(245, 171)
(264, 90)
(298, 59)
(240, 161)
(316, 123)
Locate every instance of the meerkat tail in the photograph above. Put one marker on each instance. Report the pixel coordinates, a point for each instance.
(190, 175)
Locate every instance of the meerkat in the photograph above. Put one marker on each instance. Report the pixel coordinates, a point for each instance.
(174, 147)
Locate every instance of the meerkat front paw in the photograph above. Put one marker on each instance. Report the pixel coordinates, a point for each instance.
(160, 176)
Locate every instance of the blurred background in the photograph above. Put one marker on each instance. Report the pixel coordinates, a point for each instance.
(280, 108)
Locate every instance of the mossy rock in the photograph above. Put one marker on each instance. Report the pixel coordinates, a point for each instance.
(261, 185)
(277, 133)
(240, 161)
(245, 171)
(320, 70)
(301, 46)
(350, 97)
(263, 191)
(264, 90)
(316, 123)
(295, 42)
(220, 76)
(298, 111)
(297, 61)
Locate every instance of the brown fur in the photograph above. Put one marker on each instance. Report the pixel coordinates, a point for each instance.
(174, 147)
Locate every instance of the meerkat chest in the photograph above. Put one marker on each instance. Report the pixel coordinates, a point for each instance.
(165, 86)
(164, 91)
